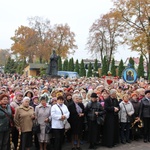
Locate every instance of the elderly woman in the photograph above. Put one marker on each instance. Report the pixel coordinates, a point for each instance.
(136, 105)
(24, 121)
(59, 115)
(126, 111)
(76, 110)
(5, 120)
(42, 113)
(16, 103)
(145, 115)
(18, 100)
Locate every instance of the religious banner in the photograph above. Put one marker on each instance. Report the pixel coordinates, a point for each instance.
(109, 80)
(129, 75)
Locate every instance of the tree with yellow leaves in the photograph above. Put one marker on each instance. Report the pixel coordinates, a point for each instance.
(25, 41)
(41, 38)
(135, 15)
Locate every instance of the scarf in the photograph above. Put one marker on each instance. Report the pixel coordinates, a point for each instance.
(78, 108)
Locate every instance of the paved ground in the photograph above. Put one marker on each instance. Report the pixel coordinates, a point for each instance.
(135, 145)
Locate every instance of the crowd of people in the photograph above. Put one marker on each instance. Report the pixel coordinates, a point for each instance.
(75, 110)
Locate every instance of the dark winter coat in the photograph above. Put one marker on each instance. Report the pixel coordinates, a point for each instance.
(136, 106)
(5, 121)
(111, 124)
(145, 108)
(75, 121)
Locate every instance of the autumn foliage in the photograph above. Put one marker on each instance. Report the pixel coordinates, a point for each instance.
(127, 22)
(37, 41)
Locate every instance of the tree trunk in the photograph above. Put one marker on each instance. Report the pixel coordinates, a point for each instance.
(30, 59)
(40, 59)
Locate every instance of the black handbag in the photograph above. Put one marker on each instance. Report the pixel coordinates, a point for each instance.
(100, 120)
(48, 128)
(36, 127)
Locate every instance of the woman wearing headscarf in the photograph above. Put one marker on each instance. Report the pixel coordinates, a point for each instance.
(42, 113)
(5, 121)
(24, 121)
(76, 110)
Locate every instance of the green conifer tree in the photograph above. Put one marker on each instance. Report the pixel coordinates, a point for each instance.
(104, 66)
(113, 68)
(96, 65)
(131, 62)
(65, 65)
(73, 67)
(140, 70)
(82, 69)
(77, 66)
(20, 66)
(89, 73)
(10, 66)
(71, 64)
(95, 73)
(120, 68)
(59, 64)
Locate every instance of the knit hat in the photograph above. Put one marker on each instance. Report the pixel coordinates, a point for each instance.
(34, 97)
(26, 98)
(18, 93)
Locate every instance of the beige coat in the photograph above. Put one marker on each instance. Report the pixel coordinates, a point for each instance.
(23, 118)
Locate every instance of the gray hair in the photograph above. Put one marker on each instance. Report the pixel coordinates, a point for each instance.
(75, 95)
(112, 91)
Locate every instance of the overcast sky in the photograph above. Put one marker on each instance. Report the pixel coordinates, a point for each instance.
(78, 14)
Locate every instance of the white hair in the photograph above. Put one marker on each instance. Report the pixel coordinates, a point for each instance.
(25, 98)
(75, 95)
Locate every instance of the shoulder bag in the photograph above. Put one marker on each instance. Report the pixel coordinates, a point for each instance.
(66, 123)
(36, 127)
(129, 118)
(11, 122)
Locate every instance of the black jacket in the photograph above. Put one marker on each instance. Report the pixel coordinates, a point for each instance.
(145, 108)
(91, 108)
(136, 106)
